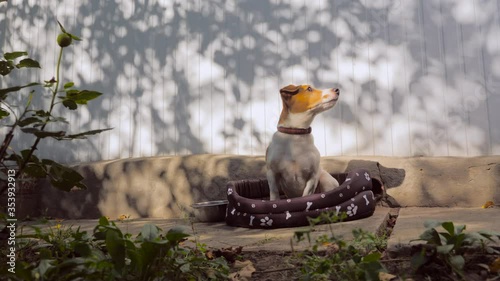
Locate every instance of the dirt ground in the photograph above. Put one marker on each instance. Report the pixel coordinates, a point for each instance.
(285, 266)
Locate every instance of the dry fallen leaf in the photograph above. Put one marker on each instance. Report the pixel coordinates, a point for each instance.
(331, 248)
(495, 266)
(384, 276)
(230, 254)
(245, 271)
(488, 204)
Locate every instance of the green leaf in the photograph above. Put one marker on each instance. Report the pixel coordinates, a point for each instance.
(62, 27)
(42, 113)
(489, 234)
(457, 262)
(74, 37)
(58, 119)
(62, 177)
(176, 235)
(68, 85)
(444, 249)
(43, 266)
(28, 63)
(5, 67)
(103, 221)
(185, 268)
(64, 30)
(33, 158)
(84, 96)
(448, 226)
(82, 248)
(149, 232)
(459, 229)
(35, 170)
(135, 257)
(29, 121)
(373, 257)
(3, 113)
(419, 259)
(116, 248)
(14, 55)
(82, 135)
(70, 104)
(43, 134)
(432, 224)
(4, 92)
(431, 236)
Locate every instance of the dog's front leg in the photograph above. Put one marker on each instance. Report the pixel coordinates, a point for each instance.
(274, 193)
(327, 182)
(310, 186)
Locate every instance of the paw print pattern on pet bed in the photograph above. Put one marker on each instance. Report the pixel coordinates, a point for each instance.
(354, 197)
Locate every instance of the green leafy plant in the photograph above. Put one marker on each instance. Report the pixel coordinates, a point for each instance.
(448, 247)
(332, 258)
(35, 121)
(62, 253)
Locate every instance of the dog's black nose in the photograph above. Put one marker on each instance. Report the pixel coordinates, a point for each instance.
(336, 91)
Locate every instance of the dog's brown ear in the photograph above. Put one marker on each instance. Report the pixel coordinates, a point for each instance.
(290, 90)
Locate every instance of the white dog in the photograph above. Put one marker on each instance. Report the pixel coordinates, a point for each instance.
(292, 159)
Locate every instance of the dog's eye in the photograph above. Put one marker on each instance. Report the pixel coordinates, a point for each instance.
(309, 89)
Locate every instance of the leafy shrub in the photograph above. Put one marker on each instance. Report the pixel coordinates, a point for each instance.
(61, 253)
(448, 247)
(332, 258)
(35, 121)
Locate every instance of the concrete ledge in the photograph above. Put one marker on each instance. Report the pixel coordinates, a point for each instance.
(410, 224)
(220, 235)
(165, 187)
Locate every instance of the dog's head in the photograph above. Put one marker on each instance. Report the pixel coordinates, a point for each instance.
(306, 99)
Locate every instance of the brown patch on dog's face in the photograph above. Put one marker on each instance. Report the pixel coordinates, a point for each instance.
(301, 98)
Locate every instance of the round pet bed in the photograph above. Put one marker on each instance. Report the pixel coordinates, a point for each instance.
(247, 209)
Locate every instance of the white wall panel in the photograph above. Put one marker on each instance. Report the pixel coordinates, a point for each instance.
(181, 77)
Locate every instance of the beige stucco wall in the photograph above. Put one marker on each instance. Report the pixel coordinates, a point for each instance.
(167, 186)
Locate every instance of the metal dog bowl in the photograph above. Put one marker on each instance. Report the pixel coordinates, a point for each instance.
(210, 211)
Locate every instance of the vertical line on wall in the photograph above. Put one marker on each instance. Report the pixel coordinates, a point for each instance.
(130, 100)
(460, 44)
(176, 5)
(265, 100)
(442, 52)
(187, 67)
(322, 76)
(389, 92)
(72, 116)
(372, 106)
(224, 46)
(211, 52)
(423, 57)
(152, 92)
(278, 74)
(199, 77)
(305, 37)
(238, 73)
(5, 30)
(407, 86)
(485, 80)
(250, 102)
(353, 85)
(176, 90)
(278, 52)
(164, 95)
(335, 28)
(289, 44)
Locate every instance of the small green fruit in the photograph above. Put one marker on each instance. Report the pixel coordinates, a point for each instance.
(64, 40)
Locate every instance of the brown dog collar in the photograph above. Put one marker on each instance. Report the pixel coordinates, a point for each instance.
(295, 131)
